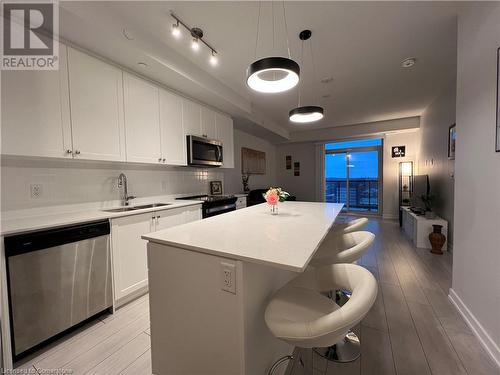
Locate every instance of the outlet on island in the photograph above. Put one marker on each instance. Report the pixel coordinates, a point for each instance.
(228, 277)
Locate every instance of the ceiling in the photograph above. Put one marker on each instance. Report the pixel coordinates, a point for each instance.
(358, 44)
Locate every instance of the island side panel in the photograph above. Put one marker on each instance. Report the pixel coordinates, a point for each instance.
(196, 327)
(262, 349)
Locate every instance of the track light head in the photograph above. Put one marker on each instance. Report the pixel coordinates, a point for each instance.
(176, 31)
(213, 59)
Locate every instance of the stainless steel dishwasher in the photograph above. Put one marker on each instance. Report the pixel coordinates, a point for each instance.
(57, 278)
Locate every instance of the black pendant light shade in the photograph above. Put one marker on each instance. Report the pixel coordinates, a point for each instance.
(273, 74)
(306, 114)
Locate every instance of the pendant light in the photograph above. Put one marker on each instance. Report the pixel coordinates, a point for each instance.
(273, 74)
(309, 113)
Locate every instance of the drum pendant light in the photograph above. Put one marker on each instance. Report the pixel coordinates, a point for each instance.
(309, 113)
(273, 74)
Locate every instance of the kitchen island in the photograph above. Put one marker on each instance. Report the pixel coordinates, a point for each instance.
(210, 281)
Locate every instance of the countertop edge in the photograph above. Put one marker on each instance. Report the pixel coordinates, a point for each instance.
(223, 254)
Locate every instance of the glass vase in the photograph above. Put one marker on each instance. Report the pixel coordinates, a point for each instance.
(274, 209)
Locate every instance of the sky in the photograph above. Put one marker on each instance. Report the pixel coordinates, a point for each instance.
(362, 164)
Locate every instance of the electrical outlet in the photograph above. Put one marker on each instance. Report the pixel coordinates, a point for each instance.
(36, 191)
(228, 277)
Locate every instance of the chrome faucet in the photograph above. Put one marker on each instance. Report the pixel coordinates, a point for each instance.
(122, 183)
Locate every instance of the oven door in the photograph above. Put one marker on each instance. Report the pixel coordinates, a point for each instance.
(218, 210)
(204, 152)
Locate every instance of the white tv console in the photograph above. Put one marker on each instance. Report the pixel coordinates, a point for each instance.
(418, 228)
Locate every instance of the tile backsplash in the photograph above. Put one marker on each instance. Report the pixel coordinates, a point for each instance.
(31, 183)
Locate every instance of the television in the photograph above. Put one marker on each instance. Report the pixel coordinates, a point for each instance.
(421, 187)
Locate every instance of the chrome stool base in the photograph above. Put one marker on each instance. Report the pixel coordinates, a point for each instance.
(348, 350)
(277, 364)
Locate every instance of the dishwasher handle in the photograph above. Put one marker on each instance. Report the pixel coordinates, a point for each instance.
(28, 242)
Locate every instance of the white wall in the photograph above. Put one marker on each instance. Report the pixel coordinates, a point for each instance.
(390, 209)
(433, 153)
(303, 186)
(68, 182)
(232, 177)
(476, 254)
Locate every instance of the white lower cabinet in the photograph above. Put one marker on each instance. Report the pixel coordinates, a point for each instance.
(130, 271)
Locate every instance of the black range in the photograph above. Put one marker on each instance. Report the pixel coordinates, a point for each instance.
(214, 204)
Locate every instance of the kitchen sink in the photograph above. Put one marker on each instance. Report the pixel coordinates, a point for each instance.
(120, 209)
(152, 205)
(140, 207)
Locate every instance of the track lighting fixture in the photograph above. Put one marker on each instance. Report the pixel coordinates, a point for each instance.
(309, 113)
(273, 74)
(197, 38)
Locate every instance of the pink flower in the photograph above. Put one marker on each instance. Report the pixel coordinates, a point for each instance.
(272, 198)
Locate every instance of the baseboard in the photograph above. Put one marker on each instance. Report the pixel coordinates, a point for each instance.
(484, 338)
(390, 216)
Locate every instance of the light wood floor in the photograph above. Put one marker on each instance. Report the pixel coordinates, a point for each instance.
(411, 329)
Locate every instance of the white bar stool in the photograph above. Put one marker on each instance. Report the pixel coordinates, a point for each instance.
(343, 248)
(351, 226)
(301, 314)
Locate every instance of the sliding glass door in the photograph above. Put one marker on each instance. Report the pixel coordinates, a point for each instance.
(353, 175)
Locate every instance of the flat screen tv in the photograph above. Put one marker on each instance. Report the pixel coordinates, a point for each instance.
(421, 187)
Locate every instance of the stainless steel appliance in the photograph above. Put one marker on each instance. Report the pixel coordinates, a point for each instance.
(214, 204)
(203, 152)
(56, 278)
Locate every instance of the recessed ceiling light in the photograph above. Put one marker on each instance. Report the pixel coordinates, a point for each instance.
(128, 34)
(142, 64)
(327, 80)
(409, 62)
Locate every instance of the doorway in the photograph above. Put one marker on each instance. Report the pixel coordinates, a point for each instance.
(353, 175)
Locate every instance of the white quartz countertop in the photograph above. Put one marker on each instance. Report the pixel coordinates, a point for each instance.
(57, 216)
(287, 240)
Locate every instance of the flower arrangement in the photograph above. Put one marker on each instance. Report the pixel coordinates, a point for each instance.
(275, 195)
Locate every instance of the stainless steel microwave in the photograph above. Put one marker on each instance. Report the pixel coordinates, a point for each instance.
(203, 152)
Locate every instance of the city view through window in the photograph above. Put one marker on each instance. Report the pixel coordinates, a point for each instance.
(352, 174)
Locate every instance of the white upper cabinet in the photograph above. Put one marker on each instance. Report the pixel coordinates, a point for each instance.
(173, 140)
(224, 125)
(208, 129)
(191, 118)
(96, 94)
(142, 120)
(35, 111)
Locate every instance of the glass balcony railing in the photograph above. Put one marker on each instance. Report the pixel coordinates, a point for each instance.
(363, 193)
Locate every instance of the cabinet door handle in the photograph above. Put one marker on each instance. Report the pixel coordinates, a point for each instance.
(164, 160)
(77, 152)
(159, 159)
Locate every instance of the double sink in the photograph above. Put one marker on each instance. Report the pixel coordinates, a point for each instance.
(140, 207)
